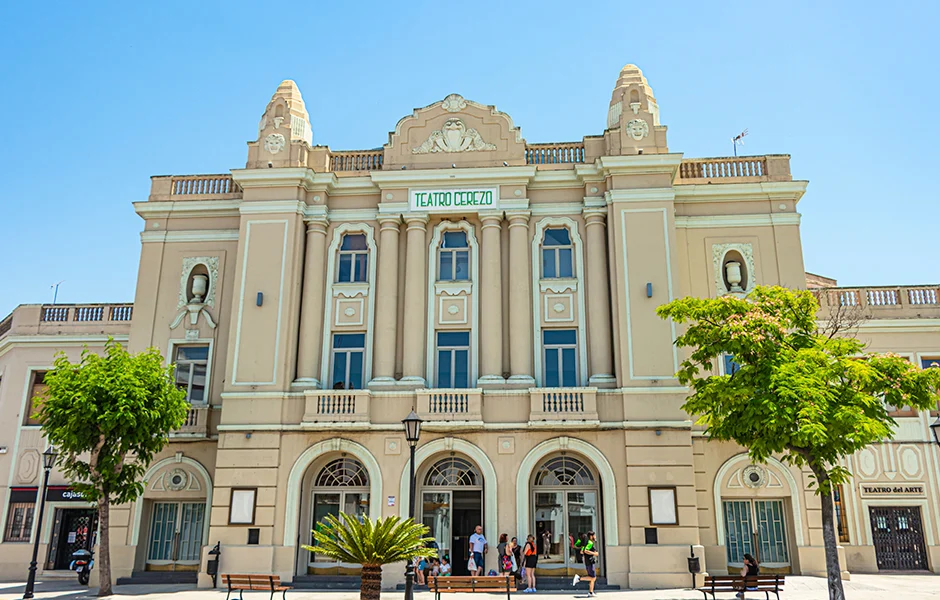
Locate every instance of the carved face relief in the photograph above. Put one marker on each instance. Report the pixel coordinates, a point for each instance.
(638, 129)
(274, 143)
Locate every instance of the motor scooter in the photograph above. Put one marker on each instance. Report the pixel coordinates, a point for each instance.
(82, 563)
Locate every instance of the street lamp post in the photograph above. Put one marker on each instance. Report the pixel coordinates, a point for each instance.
(412, 425)
(935, 428)
(48, 461)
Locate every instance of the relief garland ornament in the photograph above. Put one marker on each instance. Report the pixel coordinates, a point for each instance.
(454, 136)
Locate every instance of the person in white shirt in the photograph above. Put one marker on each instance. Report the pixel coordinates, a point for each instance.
(478, 548)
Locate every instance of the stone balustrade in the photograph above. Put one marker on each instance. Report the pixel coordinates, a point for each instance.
(86, 313)
(357, 160)
(552, 405)
(336, 406)
(194, 187)
(737, 169)
(196, 424)
(554, 153)
(450, 404)
(920, 301)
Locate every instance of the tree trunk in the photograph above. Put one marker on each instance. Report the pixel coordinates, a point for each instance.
(104, 546)
(371, 588)
(833, 569)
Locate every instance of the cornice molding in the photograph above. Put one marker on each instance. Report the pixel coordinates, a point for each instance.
(640, 195)
(190, 235)
(57, 341)
(639, 164)
(741, 192)
(187, 208)
(272, 207)
(715, 221)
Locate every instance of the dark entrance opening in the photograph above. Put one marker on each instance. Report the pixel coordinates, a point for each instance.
(898, 535)
(467, 514)
(72, 530)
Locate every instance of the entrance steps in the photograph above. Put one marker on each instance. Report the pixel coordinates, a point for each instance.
(158, 577)
(551, 584)
(327, 582)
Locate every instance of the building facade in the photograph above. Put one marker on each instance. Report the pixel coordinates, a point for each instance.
(505, 291)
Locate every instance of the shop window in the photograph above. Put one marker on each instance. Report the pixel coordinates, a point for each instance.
(36, 390)
(453, 359)
(348, 352)
(842, 519)
(453, 257)
(192, 365)
(353, 259)
(19, 523)
(560, 347)
(557, 254)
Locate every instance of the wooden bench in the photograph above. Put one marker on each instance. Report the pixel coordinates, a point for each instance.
(254, 582)
(489, 584)
(733, 584)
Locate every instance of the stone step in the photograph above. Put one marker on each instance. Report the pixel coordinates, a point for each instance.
(158, 577)
(327, 582)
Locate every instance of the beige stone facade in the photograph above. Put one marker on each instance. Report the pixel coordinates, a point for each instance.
(505, 291)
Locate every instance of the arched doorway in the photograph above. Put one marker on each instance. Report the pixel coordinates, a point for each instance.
(451, 505)
(341, 486)
(566, 505)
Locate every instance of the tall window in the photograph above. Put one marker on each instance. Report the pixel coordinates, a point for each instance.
(20, 516)
(731, 367)
(454, 257)
(453, 359)
(36, 389)
(557, 254)
(842, 521)
(348, 350)
(561, 357)
(192, 362)
(353, 258)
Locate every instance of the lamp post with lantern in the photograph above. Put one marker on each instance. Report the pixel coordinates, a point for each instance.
(412, 425)
(935, 428)
(48, 461)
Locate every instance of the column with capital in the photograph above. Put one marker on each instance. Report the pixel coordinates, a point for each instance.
(598, 299)
(310, 340)
(491, 300)
(415, 321)
(520, 299)
(386, 317)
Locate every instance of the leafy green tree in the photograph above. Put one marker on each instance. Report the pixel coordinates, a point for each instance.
(371, 544)
(801, 391)
(108, 415)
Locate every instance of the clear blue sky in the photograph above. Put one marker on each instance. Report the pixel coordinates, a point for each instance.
(97, 98)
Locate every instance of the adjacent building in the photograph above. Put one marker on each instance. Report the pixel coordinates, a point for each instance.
(506, 292)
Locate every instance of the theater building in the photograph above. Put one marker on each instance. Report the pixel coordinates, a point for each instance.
(505, 291)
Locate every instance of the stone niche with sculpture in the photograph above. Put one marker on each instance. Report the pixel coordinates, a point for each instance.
(455, 131)
(197, 297)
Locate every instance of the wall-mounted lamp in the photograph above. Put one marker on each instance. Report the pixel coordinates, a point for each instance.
(649, 291)
(260, 299)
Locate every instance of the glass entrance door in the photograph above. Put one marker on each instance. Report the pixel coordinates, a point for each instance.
(561, 520)
(436, 515)
(334, 503)
(175, 536)
(759, 528)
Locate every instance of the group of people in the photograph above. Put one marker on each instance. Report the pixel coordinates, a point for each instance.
(434, 567)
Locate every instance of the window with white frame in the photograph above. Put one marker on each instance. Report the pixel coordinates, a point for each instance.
(557, 253)
(353, 259)
(192, 364)
(348, 352)
(453, 257)
(560, 348)
(453, 359)
(731, 367)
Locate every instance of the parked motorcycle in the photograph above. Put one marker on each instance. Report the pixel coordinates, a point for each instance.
(82, 563)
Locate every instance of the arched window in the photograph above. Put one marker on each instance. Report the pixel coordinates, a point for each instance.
(453, 472)
(353, 259)
(454, 257)
(343, 472)
(564, 471)
(340, 487)
(557, 253)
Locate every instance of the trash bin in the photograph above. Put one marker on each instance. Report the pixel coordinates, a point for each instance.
(212, 565)
(695, 564)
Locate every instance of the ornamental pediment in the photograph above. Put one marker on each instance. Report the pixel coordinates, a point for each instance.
(455, 131)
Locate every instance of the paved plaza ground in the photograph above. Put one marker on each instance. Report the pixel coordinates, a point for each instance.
(862, 587)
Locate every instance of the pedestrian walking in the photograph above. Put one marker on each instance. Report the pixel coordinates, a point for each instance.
(531, 554)
(478, 547)
(590, 554)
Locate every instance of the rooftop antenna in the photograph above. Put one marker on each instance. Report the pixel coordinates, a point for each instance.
(738, 139)
(55, 294)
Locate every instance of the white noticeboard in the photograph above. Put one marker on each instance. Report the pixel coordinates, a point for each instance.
(243, 507)
(391, 500)
(663, 506)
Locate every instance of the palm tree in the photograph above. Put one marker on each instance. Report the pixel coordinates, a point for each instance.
(371, 544)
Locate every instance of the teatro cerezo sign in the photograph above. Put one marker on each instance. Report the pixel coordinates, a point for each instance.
(453, 200)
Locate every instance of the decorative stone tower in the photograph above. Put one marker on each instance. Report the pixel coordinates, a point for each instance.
(284, 133)
(633, 118)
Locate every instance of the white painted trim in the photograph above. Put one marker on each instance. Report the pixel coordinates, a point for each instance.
(252, 395)
(599, 461)
(241, 304)
(626, 290)
(479, 457)
(207, 481)
(352, 214)
(640, 195)
(433, 264)
(795, 493)
(740, 192)
(57, 341)
(452, 177)
(878, 325)
(326, 352)
(296, 478)
(715, 221)
(191, 235)
(272, 207)
(536, 273)
(556, 209)
(171, 346)
(187, 208)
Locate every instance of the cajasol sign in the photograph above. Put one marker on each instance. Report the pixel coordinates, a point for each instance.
(453, 200)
